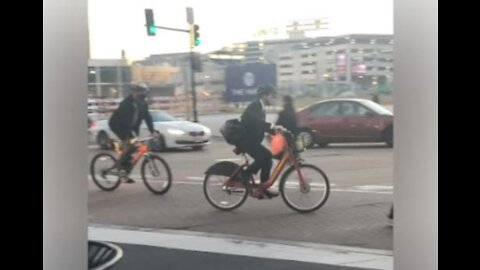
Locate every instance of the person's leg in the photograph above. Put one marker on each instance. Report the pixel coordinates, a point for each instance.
(127, 150)
(124, 161)
(255, 151)
(263, 161)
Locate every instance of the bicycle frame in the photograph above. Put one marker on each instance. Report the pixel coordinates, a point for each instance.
(142, 150)
(289, 157)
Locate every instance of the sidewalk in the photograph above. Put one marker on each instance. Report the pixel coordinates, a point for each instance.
(146, 249)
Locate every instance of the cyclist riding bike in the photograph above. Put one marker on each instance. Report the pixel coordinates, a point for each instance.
(125, 124)
(253, 120)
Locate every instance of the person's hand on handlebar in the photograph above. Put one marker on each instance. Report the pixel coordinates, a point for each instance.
(279, 129)
(155, 134)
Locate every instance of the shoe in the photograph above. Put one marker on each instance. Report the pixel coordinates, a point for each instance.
(270, 194)
(129, 180)
(123, 174)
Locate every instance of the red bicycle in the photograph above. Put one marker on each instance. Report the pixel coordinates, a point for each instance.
(304, 187)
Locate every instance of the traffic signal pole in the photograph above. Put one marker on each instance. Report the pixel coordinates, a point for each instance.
(170, 29)
(194, 41)
(194, 93)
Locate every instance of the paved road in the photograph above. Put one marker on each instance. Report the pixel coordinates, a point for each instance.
(355, 214)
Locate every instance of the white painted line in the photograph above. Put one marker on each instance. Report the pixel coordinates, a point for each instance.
(196, 183)
(361, 191)
(228, 159)
(134, 177)
(246, 246)
(195, 178)
(289, 184)
(374, 187)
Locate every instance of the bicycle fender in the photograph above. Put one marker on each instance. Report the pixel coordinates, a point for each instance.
(225, 168)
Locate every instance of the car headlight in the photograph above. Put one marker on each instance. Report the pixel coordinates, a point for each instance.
(175, 131)
(207, 130)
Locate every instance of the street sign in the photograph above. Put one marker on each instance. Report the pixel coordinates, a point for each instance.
(242, 81)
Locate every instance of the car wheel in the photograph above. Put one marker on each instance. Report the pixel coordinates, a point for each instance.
(388, 136)
(322, 144)
(104, 141)
(307, 138)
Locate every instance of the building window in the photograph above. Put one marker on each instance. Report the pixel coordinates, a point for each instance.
(286, 66)
(109, 91)
(108, 74)
(308, 71)
(362, 40)
(384, 41)
(126, 74)
(92, 75)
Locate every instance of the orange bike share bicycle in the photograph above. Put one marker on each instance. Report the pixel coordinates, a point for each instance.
(154, 170)
(304, 187)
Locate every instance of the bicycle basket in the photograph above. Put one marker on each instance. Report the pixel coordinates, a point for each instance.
(299, 144)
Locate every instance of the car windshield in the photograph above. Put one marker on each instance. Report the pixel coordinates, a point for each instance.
(158, 116)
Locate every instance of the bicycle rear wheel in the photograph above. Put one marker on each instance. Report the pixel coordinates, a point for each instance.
(104, 171)
(223, 194)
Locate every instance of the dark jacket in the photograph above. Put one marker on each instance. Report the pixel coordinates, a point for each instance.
(253, 119)
(121, 122)
(288, 119)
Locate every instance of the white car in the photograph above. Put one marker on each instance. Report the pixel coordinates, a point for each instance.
(93, 119)
(174, 133)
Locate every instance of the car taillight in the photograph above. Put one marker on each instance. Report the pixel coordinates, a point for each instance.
(93, 124)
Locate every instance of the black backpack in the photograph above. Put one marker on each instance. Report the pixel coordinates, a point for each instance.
(233, 131)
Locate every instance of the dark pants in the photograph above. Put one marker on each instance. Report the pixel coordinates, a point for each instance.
(263, 161)
(127, 150)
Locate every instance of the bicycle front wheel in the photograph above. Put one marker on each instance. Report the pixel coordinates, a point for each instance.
(307, 195)
(104, 172)
(156, 174)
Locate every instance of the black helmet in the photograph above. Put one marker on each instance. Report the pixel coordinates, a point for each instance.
(138, 86)
(266, 89)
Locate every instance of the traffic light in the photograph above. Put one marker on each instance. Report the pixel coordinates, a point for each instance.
(196, 35)
(150, 23)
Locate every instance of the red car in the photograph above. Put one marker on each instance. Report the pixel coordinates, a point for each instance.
(345, 121)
